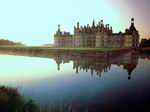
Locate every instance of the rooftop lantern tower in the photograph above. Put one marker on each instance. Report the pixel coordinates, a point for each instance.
(132, 27)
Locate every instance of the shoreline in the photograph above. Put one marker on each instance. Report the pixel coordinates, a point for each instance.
(57, 50)
(64, 48)
(145, 49)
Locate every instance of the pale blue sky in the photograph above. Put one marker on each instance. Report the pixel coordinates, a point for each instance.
(34, 22)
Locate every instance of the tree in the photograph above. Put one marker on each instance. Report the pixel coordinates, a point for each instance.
(145, 43)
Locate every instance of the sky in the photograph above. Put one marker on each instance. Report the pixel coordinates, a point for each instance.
(34, 22)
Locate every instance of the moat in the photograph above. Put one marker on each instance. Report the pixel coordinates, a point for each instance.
(99, 83)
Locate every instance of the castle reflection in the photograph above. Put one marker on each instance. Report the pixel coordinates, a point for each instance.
(98, 64)
(93, 62)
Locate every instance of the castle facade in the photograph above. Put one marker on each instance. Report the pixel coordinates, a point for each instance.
(98, 36)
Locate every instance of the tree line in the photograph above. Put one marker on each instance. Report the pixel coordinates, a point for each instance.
(8, 42)
(145, 43)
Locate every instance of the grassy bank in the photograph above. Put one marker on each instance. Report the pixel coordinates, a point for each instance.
(62, 48)
(12, 101)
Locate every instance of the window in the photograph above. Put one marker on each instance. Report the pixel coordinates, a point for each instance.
(133, 45)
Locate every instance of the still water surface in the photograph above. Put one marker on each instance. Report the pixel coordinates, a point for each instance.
(99, 83)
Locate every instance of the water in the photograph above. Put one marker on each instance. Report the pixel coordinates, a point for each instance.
(99, 83)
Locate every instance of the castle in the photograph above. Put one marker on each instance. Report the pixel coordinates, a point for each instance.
(98, 36)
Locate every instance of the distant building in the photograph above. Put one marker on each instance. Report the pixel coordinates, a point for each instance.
(97, 36)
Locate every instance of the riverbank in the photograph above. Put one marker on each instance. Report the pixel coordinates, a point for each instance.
(145, 49)
(64, 50)
(12, 101)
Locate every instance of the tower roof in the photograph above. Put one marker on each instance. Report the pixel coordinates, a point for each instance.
(132, 27)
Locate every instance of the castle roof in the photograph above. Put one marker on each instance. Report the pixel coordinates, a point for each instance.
(132, 28)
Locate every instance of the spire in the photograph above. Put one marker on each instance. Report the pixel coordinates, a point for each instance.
(132, 27)
(99, 23)
(59, 27)
(132, 20)
(77, 70)
(93, 24)
(78, 25)
(108, 26)
(58, 66)
(87, 25)
(59, 33)
(102, 23)
(129, 77)
(111, 29)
